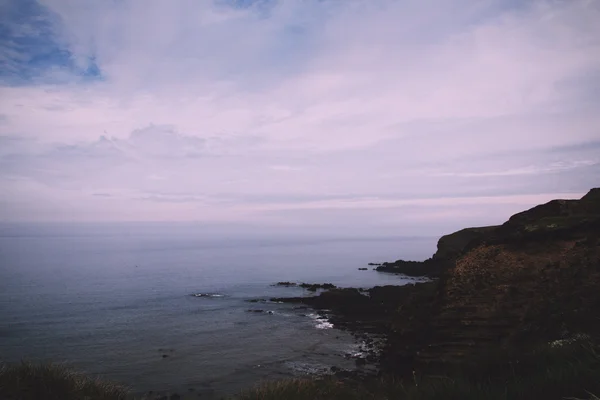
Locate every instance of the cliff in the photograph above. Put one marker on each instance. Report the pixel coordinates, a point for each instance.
(529, 281)
(535, 278)
(449, 248)
(551, 221)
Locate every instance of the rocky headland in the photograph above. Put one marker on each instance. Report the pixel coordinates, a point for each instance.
(507, 288)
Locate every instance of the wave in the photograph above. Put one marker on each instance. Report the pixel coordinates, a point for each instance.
(308, 368)
(322, 322)
(265, 301)
(210, 295)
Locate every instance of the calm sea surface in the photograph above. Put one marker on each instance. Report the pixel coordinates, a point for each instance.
(112, 300)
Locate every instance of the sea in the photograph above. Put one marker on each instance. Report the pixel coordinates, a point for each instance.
(167, 307)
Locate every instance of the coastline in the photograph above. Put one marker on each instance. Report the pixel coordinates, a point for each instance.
(528, 282)
(498, 296)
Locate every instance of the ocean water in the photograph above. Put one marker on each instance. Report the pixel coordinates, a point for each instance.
(113, 300)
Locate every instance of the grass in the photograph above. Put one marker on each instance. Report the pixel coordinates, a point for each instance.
(28, 381)
(570, 371)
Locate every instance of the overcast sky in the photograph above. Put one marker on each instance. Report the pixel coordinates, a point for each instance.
(354, 115)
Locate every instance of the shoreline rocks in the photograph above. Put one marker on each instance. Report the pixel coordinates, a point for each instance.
(312, 287)
(510, 287)
(286, 284)
(261, 311)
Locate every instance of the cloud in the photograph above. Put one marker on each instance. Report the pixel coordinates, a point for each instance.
(377, 203)
(222, 109)
(529, 170)
(285, 168)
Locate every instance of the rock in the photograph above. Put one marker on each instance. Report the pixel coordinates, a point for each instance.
(429, 267)
(165, 355)
(261, 311)
(363, 269)
(309, 286)
(314, 286)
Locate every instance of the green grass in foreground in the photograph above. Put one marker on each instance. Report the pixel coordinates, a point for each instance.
(571, 371)
(27, 381)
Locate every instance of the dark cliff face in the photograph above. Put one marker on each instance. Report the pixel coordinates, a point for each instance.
(557, 219)
(451, 246)
(558, 214)
(534, 279)
(593, 195)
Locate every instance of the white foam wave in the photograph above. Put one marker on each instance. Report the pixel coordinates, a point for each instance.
(324, 325)
(211, 295)
(322, 322)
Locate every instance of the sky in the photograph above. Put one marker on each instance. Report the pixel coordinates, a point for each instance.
(349, 116)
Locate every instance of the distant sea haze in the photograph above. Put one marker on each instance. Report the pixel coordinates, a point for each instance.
(119, 301)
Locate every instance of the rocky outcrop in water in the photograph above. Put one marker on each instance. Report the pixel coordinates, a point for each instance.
(427, 268)
(311, 287)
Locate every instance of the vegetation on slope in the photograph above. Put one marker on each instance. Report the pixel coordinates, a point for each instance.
(568, 371)
(564, 370)
(27, 381)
